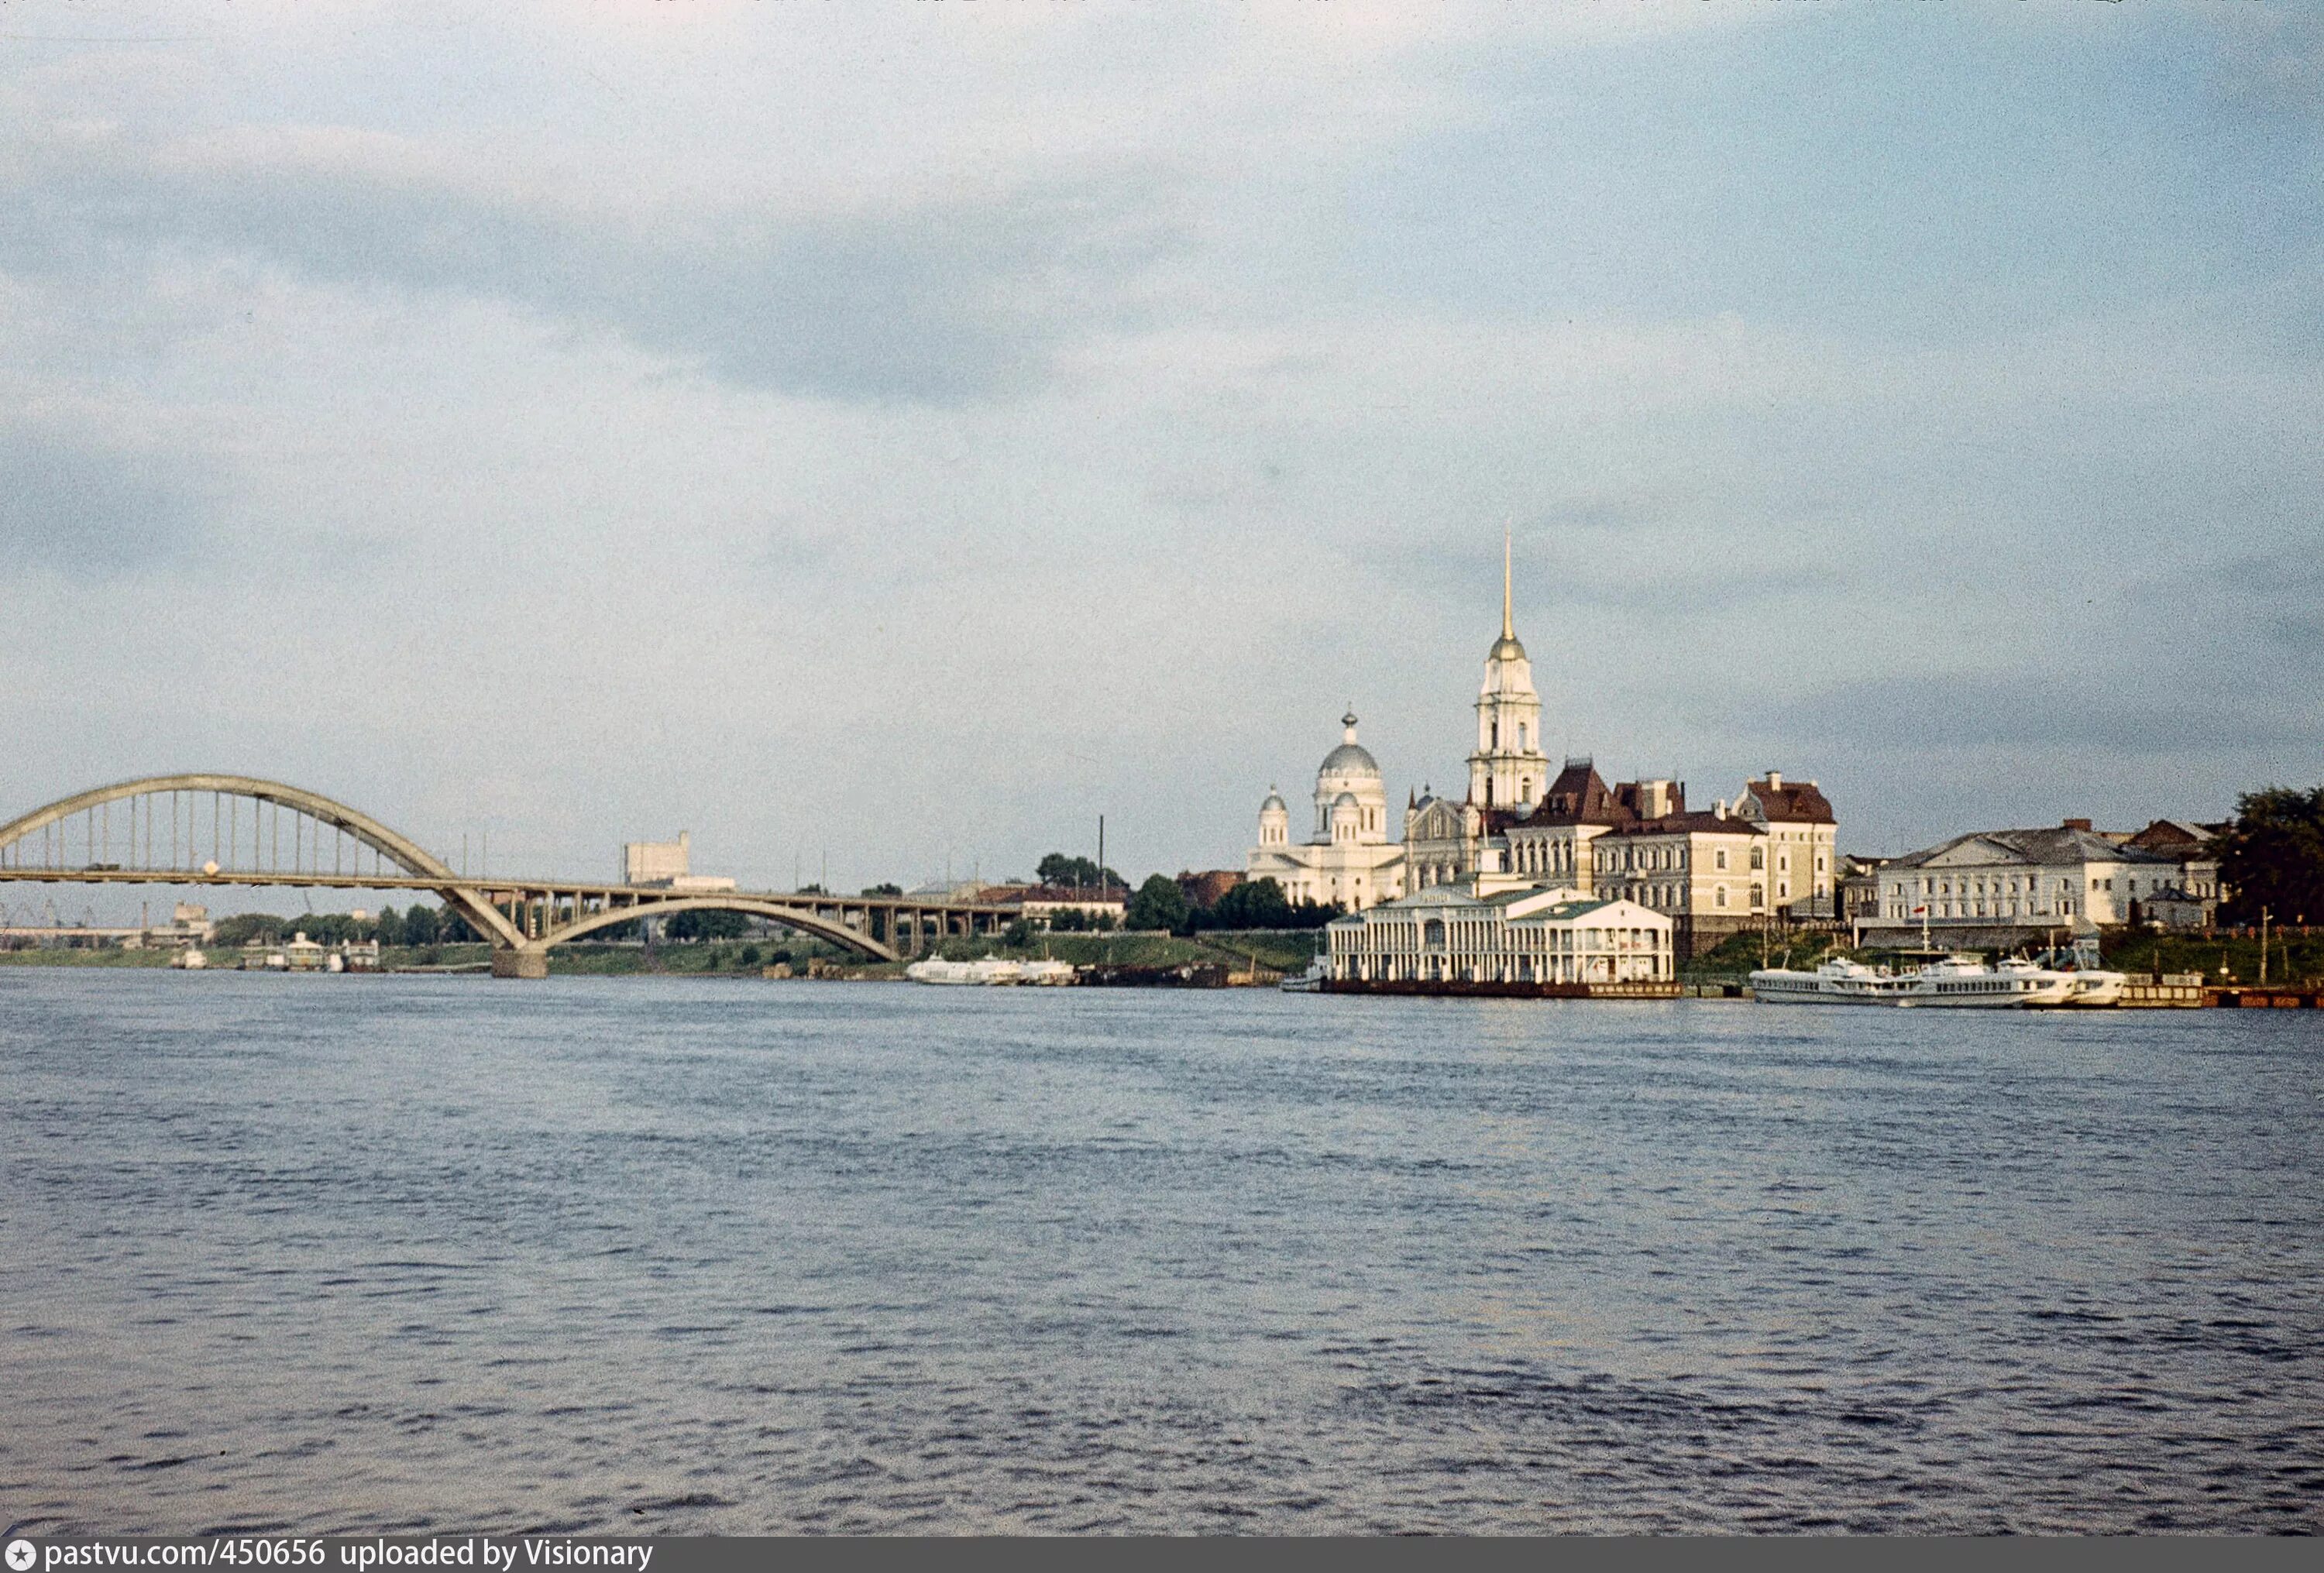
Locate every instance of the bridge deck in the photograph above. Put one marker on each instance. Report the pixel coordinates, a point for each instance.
(499, 889)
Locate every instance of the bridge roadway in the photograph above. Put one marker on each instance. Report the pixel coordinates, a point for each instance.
(520, 917)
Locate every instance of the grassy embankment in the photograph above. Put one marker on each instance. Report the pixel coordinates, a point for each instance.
(61, 957)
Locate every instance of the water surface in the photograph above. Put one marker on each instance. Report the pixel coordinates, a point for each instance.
(404, 1255)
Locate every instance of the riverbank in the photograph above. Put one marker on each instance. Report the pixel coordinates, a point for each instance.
(1267, 951)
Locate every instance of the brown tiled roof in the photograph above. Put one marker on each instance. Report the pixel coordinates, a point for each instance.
(1793, 802)
(1580, 796)
(2166, 835)
(1696, 821)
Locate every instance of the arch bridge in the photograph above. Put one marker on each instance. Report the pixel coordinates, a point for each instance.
(240, 830)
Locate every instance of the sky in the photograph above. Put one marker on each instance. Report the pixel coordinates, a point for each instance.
(882, 437)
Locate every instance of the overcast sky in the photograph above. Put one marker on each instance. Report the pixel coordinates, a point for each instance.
(902, 431)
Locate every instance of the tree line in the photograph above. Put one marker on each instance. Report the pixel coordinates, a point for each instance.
(420, 925)
(1161, 903)
(2271, 858)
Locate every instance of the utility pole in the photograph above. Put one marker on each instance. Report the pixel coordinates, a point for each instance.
(1101, 881)
(2263, 945)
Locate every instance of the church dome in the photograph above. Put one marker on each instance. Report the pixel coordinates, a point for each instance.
(1274, 804)
(1506, 649)
(1350, 757)
(1345, 800)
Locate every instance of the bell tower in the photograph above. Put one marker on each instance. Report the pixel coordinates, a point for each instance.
(1508, 770)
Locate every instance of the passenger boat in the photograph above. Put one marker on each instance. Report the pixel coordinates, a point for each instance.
(2096, 987)
(1956, 982)
(985, 971)
(1311, 982)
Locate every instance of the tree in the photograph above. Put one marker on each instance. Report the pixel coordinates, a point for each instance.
(248, 928)
(711, 924)
(2272, 857)
(1158, 904)
(883, 890)
(1076, 873)
(1254, 904)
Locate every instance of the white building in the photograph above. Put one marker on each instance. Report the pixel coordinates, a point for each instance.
(2008, 885)
(663, 866)
(1349, 861)
(1527, 937)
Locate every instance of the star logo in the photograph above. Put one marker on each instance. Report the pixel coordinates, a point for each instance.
(21, 1556)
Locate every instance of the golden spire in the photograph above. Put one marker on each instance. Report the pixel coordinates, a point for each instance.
(1508, 630)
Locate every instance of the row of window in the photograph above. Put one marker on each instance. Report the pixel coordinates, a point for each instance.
(1904, 911)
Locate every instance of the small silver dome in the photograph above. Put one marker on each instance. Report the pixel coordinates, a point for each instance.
(1349, 760)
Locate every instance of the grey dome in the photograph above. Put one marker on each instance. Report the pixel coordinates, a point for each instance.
(1349, 760)
(1274, 804)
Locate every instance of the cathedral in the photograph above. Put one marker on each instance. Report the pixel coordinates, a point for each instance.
(1352, 862)
(1769, 851)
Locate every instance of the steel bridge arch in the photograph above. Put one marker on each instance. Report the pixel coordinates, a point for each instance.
(838, 933)
(397, 848)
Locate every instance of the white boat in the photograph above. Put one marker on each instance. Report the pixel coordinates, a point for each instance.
(1311, 982)
(189, 959)
(1048, 974)
(985, 971)
(1955, 983)
(2094, 986)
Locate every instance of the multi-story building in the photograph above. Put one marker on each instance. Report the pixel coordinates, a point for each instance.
(1803, 858)
(1704, 868)
(1526, 937)
(2002, 887)
(2194, 902)
(663, 865)
(1553, 844)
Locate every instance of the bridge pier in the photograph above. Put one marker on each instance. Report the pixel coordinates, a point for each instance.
(516, 963)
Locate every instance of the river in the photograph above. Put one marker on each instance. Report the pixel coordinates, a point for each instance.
(408, 1255)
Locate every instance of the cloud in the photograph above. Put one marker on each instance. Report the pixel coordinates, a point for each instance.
(2078, 714)
(933, 301)
(74, 506)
